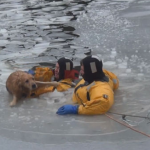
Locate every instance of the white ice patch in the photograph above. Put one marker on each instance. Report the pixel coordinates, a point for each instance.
(96, 57)
(109, 64)
(3, 42)
(122, 65)
(140, 74)
(113, 53)
(39, 48)
(128, 70)
(137, 14)
(53, 97)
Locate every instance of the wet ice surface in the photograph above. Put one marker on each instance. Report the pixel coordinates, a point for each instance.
(36, 33)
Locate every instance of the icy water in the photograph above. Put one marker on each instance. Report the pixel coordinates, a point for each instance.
(38, 32)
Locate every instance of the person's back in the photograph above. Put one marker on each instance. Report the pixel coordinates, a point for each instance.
(114, 81)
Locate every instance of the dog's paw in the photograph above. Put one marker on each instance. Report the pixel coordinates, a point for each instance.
(13, 103)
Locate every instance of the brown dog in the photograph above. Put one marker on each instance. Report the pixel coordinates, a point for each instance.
(19, 84)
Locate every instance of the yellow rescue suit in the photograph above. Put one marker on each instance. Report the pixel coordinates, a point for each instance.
(45, 74)
(97, 97)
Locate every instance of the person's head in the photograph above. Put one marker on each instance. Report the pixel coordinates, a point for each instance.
(91, 69)
(62, 65)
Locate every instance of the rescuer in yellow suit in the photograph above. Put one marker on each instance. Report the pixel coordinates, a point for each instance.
(94, 94)
(63, 73)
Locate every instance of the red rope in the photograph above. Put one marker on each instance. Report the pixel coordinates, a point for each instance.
(127, 126)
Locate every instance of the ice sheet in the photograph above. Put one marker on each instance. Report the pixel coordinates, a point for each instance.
(36, 32)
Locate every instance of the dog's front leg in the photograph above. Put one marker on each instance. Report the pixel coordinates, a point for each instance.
(14, 101)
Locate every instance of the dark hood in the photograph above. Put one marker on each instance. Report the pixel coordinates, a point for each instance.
(93, 69)
(64, 64)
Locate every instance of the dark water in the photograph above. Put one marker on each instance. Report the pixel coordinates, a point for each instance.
(40, 30)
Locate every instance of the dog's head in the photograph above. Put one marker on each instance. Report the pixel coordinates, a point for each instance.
(27, 81)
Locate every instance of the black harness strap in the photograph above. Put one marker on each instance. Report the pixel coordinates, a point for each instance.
(81, 85)
(88, 96)
(104, 79)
